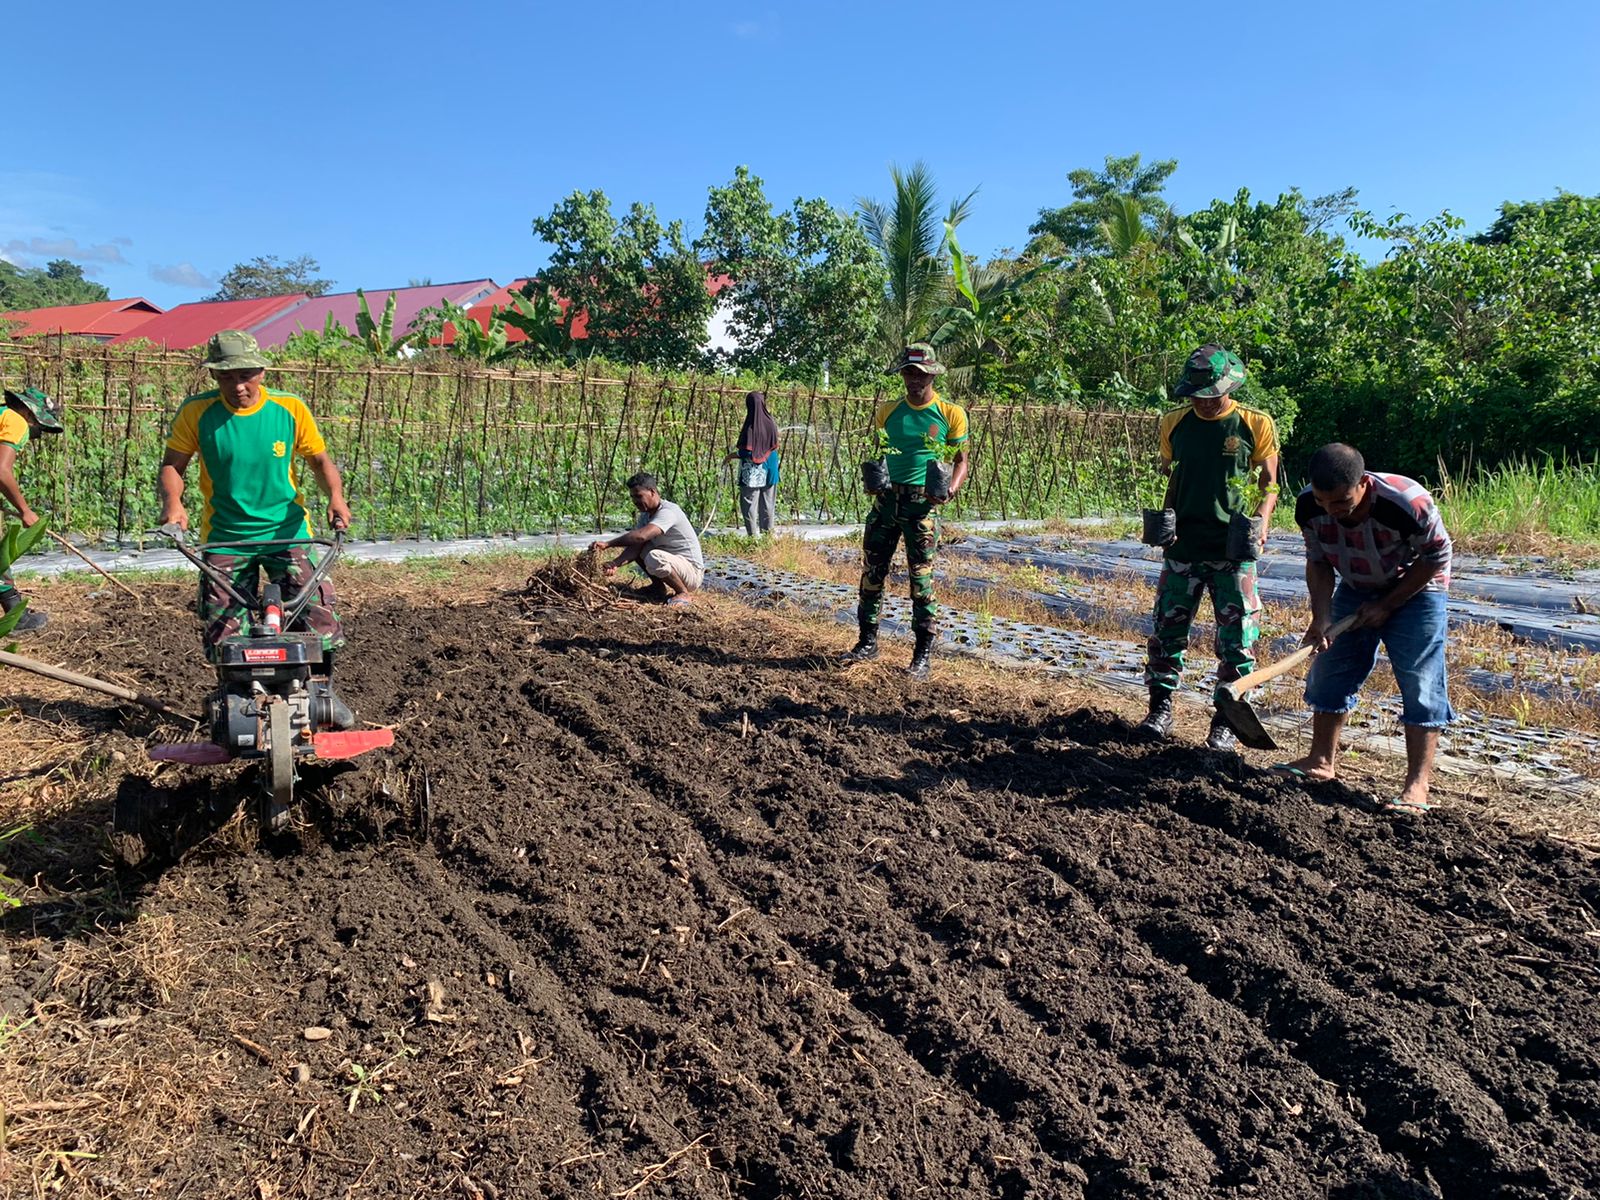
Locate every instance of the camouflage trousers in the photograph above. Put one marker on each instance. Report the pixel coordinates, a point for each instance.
(1234, 601)
(289, 567)
(893, 517)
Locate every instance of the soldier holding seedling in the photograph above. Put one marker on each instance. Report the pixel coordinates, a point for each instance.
(25, 413)
(917, 433)
(1211, 449)
(247, 436)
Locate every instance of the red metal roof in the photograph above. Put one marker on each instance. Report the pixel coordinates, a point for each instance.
(193, 324)
(343, 305)
(102, 320)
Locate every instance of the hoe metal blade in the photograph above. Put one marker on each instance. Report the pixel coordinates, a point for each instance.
(1244, 722)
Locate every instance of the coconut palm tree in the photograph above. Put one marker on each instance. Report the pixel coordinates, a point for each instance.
(909, 235)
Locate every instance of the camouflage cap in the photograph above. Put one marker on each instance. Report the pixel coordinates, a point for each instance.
(233, 350)
(1210, 372)
(920, 355)
(37, 405)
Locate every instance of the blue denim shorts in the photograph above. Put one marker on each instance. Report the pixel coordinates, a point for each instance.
(1414, 639)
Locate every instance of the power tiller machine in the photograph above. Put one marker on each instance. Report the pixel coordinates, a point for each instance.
(274, 703)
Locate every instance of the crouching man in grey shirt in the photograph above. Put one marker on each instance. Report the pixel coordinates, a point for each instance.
(662, 541)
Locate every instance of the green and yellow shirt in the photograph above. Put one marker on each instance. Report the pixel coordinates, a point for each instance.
(247, 464)
(14, 429)
(1211, 457)
(915, 433)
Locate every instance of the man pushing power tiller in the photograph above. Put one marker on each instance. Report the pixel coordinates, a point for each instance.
(247, 436)
(1381, 538)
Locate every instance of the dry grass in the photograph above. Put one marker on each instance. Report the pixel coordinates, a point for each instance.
(112, 1077)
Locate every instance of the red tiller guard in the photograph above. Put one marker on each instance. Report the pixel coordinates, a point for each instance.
(349, 743)
(331, 745)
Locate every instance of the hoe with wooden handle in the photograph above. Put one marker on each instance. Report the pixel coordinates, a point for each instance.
(62, 675)
(1235, 709)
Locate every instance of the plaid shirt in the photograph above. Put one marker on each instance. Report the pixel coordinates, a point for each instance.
(1401, 528)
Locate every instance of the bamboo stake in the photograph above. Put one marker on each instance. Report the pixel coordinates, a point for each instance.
(94, 566)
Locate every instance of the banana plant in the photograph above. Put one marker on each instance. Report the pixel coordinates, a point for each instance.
(474, 341)
(377, 337)
(541, 320)
(17, 542)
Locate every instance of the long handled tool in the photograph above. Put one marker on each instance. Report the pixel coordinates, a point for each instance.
(61, 675)
(1235, 709)
(93, 566)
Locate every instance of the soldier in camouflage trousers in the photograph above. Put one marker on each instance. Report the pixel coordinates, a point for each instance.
(1235, 603)
(1212, 448)
(287, 566)
(913, 431)
(893, 517)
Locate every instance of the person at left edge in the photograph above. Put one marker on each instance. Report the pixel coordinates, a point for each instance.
(247, 437)
(25, 413)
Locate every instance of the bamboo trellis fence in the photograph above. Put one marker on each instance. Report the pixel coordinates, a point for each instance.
(439, 450)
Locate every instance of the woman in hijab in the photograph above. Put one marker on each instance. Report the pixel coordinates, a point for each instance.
(757, 453)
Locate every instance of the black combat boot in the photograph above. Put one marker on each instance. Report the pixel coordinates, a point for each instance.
(1221, 736)
(922, 657)
(30, 621)
(866, 647)
(1157, 725)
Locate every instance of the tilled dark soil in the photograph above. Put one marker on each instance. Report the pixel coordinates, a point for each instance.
(698, 916)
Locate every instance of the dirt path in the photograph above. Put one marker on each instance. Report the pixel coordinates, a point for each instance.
(697, 917)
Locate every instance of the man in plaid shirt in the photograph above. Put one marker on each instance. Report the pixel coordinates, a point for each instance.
(1375, 548)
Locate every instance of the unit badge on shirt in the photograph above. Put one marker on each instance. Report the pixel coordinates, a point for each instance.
(1230, 444)
(279, 449)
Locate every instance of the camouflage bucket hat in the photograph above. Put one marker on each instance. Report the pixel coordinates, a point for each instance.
(37, 405)
(233, 350)
(920, 355)
(1210, 372)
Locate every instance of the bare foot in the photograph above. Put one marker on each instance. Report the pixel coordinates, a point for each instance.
(1307, 770)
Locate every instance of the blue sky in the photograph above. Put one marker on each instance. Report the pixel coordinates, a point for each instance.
(159, 144)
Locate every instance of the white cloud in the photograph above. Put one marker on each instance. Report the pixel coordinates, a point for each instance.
(759, 29)
(184, 274)
(35, 250)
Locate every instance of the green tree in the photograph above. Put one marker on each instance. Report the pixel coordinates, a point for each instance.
(807, 285)
(642, 287)
(1076, 228)
(908, 235)
(1122, 230)
(58, 282)
(1456, 348)
(267, 275)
